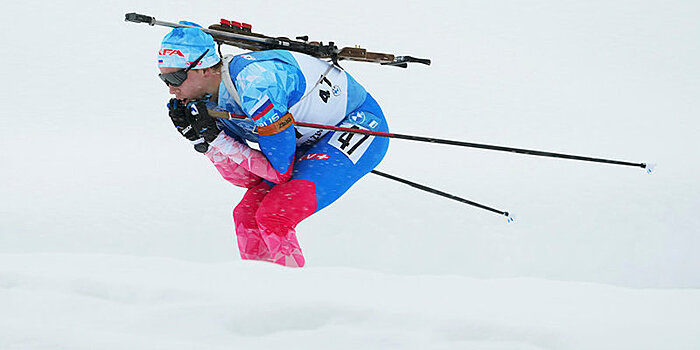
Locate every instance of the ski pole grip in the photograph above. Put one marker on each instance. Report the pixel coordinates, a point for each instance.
(138, 18)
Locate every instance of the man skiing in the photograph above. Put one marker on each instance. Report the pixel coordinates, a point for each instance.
(297, 171)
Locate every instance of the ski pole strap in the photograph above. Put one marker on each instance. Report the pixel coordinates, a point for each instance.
(438, 192)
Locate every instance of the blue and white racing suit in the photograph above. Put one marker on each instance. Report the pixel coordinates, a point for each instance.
(308, 168)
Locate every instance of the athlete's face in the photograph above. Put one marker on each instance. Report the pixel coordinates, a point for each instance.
(192, 88)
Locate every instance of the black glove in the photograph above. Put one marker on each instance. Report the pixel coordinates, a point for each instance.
(204, 124)
(194, 122)
(177, 113)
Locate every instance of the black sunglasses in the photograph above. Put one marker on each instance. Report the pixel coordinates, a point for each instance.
(176, 78)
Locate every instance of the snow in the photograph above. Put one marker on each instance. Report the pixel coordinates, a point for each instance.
(115, 234)
(117, 302)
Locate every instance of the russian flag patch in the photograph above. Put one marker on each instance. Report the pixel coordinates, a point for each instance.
(261, 108)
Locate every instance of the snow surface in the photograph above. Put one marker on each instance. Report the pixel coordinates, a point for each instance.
(115, 234)
(53, 301)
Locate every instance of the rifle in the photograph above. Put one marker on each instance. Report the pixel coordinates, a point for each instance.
(241, 35)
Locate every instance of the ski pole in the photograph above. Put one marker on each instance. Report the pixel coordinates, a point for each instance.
(443, 194)
(473, 145)
(227, 115)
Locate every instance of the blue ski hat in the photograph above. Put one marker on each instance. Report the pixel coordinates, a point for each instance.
(182, 46)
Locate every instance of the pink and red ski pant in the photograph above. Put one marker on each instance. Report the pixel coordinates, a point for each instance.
(266, 217)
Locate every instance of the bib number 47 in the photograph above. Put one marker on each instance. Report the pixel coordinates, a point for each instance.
(351, 144)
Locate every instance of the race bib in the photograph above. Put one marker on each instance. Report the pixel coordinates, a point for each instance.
(351, 144)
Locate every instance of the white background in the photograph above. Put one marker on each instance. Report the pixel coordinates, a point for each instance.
(95, 182)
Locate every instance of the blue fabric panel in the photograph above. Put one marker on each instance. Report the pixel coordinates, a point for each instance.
(279, 149)
(356, 94)
(239, 129)
(335, 175)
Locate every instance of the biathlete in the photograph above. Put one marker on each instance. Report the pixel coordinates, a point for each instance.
(297, 171)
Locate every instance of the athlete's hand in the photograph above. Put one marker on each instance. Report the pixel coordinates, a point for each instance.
(178, 115)
(203, 123)
(192, 120)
